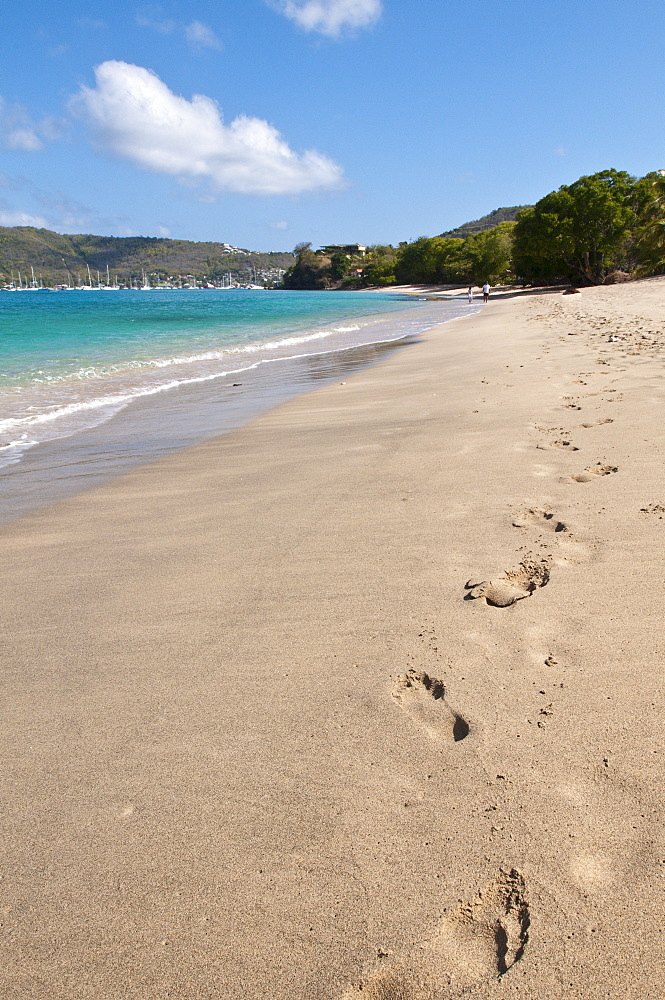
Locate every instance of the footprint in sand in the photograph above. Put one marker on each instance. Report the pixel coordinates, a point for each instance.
(654, 508)
(592, 471)
(544, 519)
(569, 551)
(480, 941)
(596, 423)
(562, 443)
(513, 586)
(424, 699)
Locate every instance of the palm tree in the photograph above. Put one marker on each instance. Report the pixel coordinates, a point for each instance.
(651, 234)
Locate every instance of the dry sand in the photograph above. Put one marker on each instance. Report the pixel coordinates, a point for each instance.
(363, 700)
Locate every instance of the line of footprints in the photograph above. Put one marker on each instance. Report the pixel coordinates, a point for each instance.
(533, 572)
(484, 938)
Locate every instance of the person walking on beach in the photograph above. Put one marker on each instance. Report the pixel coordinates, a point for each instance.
(469, 294)
(486, 292)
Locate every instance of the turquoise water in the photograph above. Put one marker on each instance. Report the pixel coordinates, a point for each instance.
(70, 360)
(92, 382)
(47, 336)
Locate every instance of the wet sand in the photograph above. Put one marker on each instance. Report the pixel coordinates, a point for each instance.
(363, 699)
(153, 427)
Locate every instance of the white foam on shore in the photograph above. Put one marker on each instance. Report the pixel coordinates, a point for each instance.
(63, 421)
(271, 345)
(99, 396)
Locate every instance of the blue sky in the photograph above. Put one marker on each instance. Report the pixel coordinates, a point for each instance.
(262, 123)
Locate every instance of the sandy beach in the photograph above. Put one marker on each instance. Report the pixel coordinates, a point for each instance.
(364, 699)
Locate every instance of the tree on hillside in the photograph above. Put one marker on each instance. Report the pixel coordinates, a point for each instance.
(311, 271)
(490, 221)
(379, 265)
(340, 265)
(301, 248)
(580, 232)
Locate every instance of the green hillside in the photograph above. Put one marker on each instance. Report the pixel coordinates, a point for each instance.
(63, 259)
(486, 222)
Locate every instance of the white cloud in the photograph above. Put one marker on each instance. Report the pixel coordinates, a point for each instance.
(18, 131)
(14, 218)
(330, 17)
(163, 231)
(134, 115)
(25, 139)
(279, 225)
(198, 34)
(151, 18)
(201, 36)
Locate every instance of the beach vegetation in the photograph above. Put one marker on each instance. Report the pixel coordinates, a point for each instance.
(420, 261)
(650, 233)
(490, 255)
(311, 271)
(379, 266)
(483, 256)
(580, 233)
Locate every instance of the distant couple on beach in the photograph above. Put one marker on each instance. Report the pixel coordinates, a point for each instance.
(486, 293)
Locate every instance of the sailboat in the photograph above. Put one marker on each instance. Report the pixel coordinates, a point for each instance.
(37, 286)
(88, 287)
(20, 284)
(108, 287)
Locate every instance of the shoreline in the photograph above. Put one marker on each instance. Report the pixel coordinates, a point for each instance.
(69, 443)
(144, 431)
(259, 742)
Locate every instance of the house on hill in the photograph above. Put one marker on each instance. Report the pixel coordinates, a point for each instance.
(352, 249)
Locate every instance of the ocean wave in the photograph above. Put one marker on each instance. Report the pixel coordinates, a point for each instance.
(100, 395)
(270, 345)
(90, 372)
(14, 451)
(114, 402)
(63, 420)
